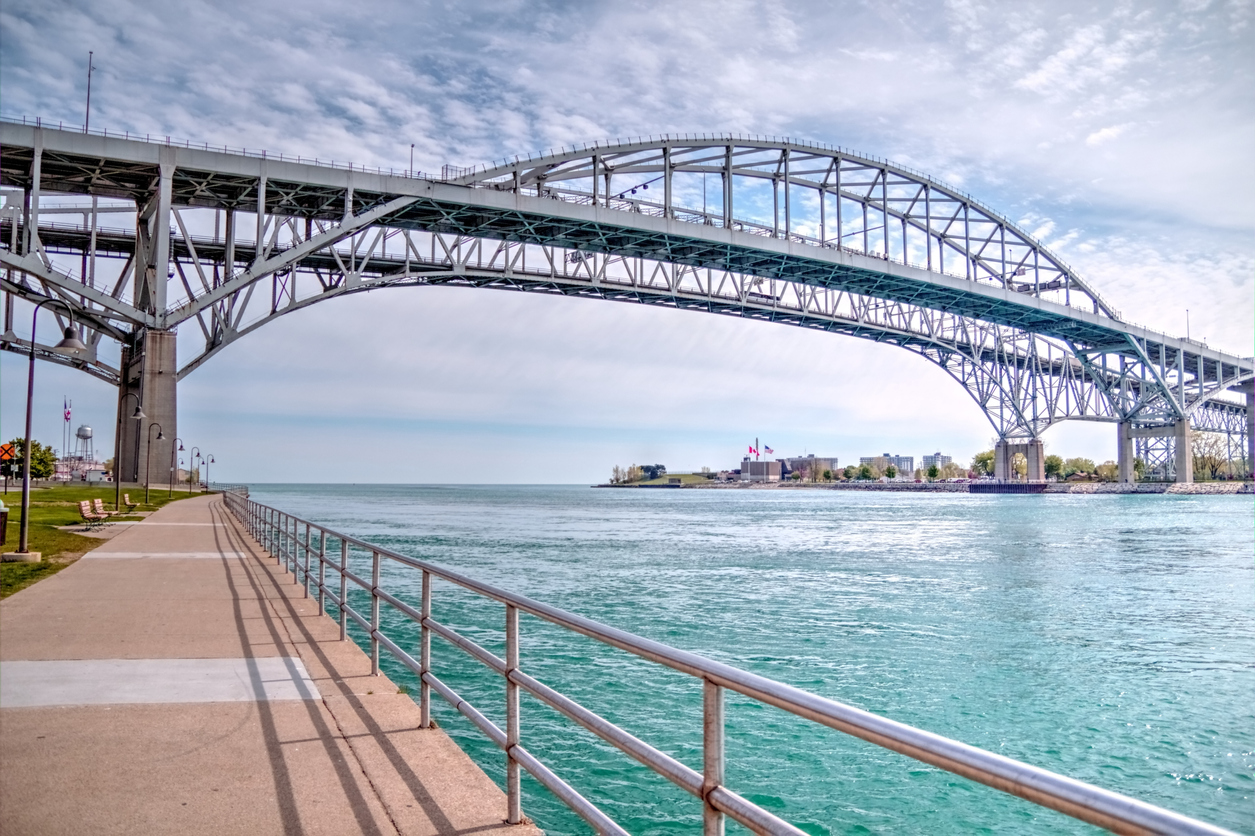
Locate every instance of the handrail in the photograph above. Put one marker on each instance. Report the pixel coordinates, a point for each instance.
(279, 533)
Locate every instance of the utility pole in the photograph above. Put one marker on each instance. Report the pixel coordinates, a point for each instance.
(411, 159)
(88, 118)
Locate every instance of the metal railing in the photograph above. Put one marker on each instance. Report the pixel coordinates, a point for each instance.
(302, 548)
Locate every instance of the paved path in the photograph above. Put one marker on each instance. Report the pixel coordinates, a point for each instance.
(175, 680)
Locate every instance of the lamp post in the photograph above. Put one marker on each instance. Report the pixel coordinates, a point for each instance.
(174, 472)
(71, 346)
(117, 448)
(208, 462)
(148, 457)
(191, 466)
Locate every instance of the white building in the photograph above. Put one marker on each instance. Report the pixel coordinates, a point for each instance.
(936, 459)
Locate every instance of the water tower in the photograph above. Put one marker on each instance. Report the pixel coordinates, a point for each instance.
(83, 450)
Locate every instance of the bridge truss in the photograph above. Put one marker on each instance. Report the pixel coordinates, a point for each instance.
(798, 234)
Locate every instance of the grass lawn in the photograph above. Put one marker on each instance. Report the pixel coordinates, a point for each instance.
(52, 507)
(685, 479)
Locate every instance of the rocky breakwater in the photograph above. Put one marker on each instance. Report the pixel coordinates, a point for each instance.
(1151, 487)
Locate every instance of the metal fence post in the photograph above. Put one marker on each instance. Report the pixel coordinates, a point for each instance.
(305, 552)
(374, 614)
(514, 791)
(712, 755)
(294, 543)
(424, 655)
(344, 589)
(322, 570)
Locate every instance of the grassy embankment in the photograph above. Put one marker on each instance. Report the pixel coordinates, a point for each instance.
(685, 479)
(58, 506)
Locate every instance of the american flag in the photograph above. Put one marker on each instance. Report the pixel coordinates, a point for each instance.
(767, 450)
(66, 406)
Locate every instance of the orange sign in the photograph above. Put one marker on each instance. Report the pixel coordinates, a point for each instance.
(6, 452)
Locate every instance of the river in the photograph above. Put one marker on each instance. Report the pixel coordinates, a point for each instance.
(1109, 638)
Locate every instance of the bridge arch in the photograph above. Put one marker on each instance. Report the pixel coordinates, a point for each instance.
(842, 241)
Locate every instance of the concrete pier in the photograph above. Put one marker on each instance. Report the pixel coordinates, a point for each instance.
(175, 680)
(1034, 455)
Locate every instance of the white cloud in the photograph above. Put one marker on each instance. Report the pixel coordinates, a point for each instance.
(1105, 135)
(1019, 107)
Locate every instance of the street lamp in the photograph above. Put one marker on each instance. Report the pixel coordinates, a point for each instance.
(208, 462)
(191, 465)
(70, 346)
(117, 448)
(173, 472)
(148, 456)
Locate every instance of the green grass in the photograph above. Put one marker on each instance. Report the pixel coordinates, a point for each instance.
(685, 479)
(58, 506)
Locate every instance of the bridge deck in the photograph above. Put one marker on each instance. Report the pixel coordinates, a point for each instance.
(176, 681)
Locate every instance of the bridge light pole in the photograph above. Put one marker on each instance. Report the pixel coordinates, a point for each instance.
(173, 471)
(191, 462)
(148, 458)
(70, 346)
(117, 448)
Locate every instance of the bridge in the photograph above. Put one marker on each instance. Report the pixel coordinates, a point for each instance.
(807, 235)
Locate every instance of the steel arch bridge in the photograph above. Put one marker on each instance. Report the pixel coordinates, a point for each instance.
(802, 234)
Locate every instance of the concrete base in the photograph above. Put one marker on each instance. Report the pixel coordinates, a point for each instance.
(21, 557)
(1033, 452)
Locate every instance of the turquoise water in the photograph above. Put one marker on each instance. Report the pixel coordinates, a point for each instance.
(1110, 638)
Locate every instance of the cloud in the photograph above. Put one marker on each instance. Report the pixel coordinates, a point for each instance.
(1021, 108)
(1105, 135)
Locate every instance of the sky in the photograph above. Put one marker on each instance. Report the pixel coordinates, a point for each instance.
(1120, 134)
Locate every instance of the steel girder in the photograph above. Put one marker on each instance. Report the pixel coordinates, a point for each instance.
(1031, 341)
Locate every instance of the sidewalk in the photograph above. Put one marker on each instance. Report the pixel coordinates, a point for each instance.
(175, 680)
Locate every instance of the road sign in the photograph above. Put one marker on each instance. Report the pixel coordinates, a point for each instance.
(7, 452)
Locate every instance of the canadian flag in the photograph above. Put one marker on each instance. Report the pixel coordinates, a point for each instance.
(753, 452)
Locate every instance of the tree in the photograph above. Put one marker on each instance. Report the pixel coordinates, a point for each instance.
(43, 460)
(865, 472)
(891, 471)
(983, 463)
(850, 471)
(827, 475)
(950, 470)
(1078, 465)
(796, 475)
(1211, 454)
(1108, 471)
(1054, 466)
(933, 472)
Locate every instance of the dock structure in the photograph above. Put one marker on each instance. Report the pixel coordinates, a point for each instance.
(175, 680)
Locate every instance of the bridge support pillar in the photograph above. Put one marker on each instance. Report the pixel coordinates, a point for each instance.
(1184, 450)
(1248, 389)
(1034, 454)
(1124, 451)
(149, 371)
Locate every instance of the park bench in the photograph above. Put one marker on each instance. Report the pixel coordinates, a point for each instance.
(130, 506)
(98, 505)
(89, 516)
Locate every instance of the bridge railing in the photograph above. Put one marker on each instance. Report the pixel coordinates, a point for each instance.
(303, 548)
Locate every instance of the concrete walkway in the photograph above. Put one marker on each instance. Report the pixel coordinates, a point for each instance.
(175, 680)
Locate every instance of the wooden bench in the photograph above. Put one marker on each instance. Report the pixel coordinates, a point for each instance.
(130, 506)
(89, 516)
(98, 505)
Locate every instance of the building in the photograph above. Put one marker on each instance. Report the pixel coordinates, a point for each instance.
(935, 459)
(811, 466)
(905, 465)
(752, 471)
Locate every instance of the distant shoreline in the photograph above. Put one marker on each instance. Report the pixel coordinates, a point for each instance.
(1200, 488)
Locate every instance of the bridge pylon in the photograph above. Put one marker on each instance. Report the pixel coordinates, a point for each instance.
(1005, 451)
(149, 370)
